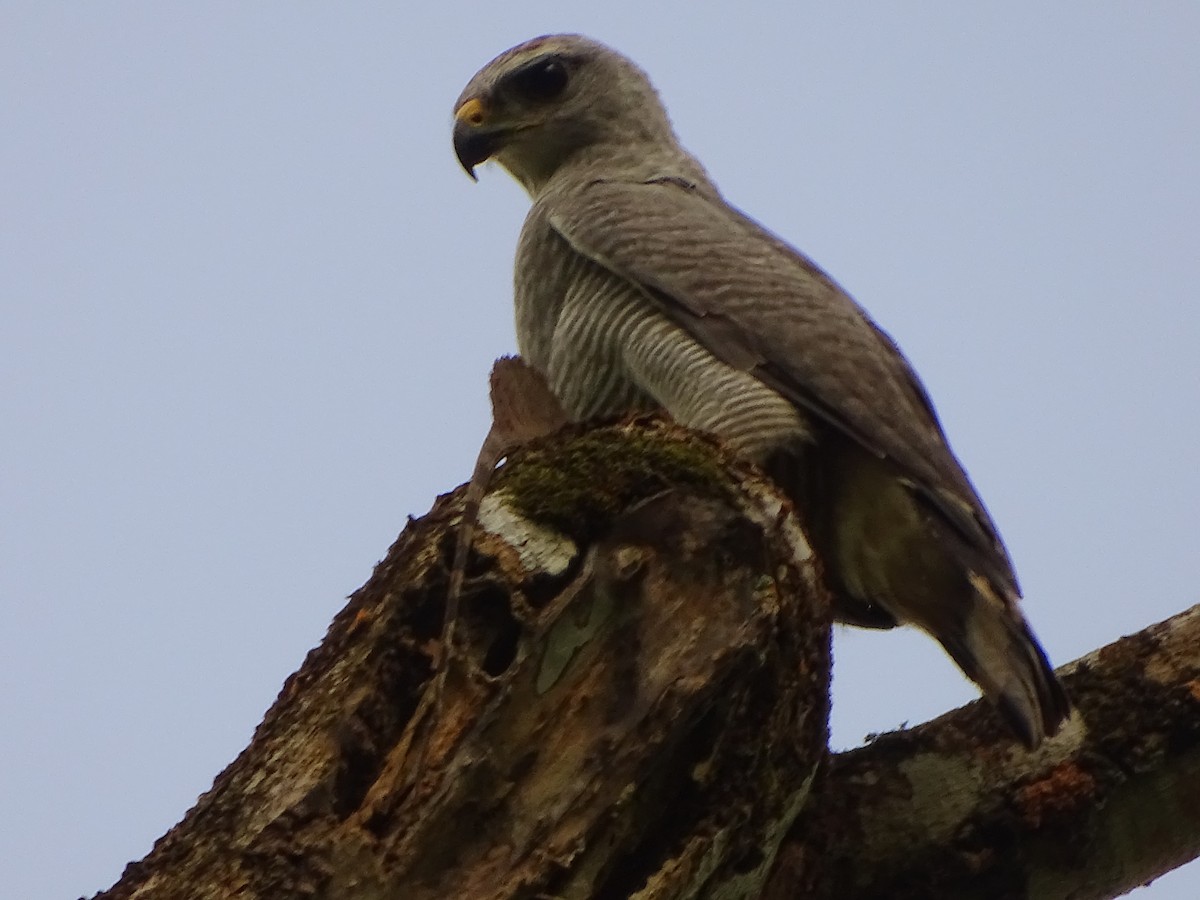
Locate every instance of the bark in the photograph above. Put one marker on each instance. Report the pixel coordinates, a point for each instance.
(954, 808)
(636, 702)
(636, 705)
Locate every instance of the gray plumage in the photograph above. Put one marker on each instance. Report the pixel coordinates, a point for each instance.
(638, 286)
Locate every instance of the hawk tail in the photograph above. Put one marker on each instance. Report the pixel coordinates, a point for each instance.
(999, 652)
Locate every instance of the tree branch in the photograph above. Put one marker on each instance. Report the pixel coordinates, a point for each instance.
(637, 700)
(954, 808)
(636, 705)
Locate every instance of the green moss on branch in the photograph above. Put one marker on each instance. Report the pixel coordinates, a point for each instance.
(579, 485)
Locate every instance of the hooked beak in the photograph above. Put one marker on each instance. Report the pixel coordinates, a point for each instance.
(474, 142)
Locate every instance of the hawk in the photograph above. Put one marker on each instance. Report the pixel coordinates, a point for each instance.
(639, 287)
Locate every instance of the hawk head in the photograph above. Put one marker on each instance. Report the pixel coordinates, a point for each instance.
(553, 100)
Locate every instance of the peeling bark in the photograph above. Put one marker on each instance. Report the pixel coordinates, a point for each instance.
(635, 705)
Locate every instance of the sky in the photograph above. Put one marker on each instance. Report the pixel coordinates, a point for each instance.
(249, 301)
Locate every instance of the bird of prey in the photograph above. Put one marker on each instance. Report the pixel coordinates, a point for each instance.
(639, 287)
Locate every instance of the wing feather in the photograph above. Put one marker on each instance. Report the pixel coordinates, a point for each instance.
(761, 306)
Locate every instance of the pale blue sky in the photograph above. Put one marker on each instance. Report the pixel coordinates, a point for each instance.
(249, 302)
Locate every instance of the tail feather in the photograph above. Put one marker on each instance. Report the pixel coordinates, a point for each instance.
(892, 558)
(997, 650)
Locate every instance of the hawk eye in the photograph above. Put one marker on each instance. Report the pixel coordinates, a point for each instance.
(543, 80)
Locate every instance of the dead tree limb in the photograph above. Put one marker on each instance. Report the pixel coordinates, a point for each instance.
(635, 706)
(636, 701)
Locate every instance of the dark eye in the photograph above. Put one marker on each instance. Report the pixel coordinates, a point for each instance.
(541, 81)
